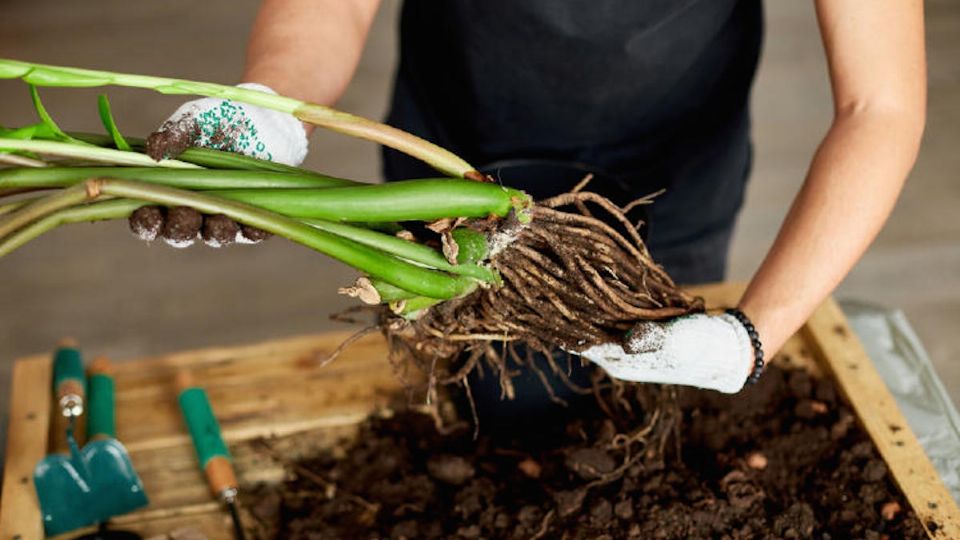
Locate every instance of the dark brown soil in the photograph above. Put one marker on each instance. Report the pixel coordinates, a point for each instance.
(783, 459)
(220, 230)
(173, 137)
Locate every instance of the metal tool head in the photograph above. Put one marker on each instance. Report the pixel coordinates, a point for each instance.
(112, 478)
(94, 484)
(64, 490)
(90, 486)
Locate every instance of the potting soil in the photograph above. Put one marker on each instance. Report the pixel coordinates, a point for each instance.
(783, 459)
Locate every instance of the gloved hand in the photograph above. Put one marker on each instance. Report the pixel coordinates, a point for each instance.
(707, 351)
(234, 127)
(221, 125)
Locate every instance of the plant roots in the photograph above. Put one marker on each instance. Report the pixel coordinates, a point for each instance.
(570, 281)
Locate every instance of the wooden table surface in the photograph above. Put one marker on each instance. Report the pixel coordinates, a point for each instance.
(276, 390)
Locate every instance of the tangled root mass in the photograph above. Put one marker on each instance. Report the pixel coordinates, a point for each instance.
(570, 281)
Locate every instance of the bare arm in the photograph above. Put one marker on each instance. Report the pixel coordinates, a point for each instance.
(875, 52)
(308, 49)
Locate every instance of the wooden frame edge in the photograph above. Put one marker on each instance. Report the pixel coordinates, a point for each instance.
(27, 439)
(855, 375)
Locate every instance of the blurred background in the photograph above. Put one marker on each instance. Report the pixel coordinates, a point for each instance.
(125, 298)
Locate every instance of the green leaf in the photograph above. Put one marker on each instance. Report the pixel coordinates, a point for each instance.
(38, 131)
(45, 118)
(13, 69)
(106, 116)
(23, 133)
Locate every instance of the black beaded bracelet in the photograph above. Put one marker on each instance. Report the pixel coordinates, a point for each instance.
(754, 340)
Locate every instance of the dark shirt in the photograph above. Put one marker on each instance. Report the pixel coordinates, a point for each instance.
(652, 92)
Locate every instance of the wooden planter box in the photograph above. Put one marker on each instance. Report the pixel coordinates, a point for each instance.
(276, 389)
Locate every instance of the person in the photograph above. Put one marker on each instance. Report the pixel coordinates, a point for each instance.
(652, 95)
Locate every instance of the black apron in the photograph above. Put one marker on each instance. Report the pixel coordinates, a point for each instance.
(651, 93)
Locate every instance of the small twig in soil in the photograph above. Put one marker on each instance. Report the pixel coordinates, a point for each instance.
(544, 526)
(625, 440)
(330, 488)
(473, 408)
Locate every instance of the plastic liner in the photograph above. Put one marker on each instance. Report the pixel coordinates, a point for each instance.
(906, 368)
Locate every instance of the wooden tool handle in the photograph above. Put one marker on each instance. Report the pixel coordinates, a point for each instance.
(69, 381)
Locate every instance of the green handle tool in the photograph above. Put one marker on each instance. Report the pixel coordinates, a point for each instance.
(211, 449)
(93, 484)
(101, 415)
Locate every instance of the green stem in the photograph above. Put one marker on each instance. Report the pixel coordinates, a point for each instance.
(408, 200)
(388, 293)
(355, 126)
(16, 205)
(404, 249)
(21, 161)
(399, 273)
(205, 157)
(99, 211)
(106, 118)
(413, 306)
(46, 75)
(181, 178)
(40, 208)
(45, 117)
(90, 153)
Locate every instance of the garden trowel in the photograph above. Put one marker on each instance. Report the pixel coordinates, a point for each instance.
(212, 451)
(61, 480)
(91, 485)
(112, 479)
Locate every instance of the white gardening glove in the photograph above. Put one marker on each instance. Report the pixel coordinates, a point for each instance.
(234, 127)
(222, 125)
(707, 351)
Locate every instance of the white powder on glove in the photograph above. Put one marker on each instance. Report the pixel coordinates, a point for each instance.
(245, 129)
(707, 351)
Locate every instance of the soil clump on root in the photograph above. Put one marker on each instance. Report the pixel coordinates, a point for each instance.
(762, 464)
